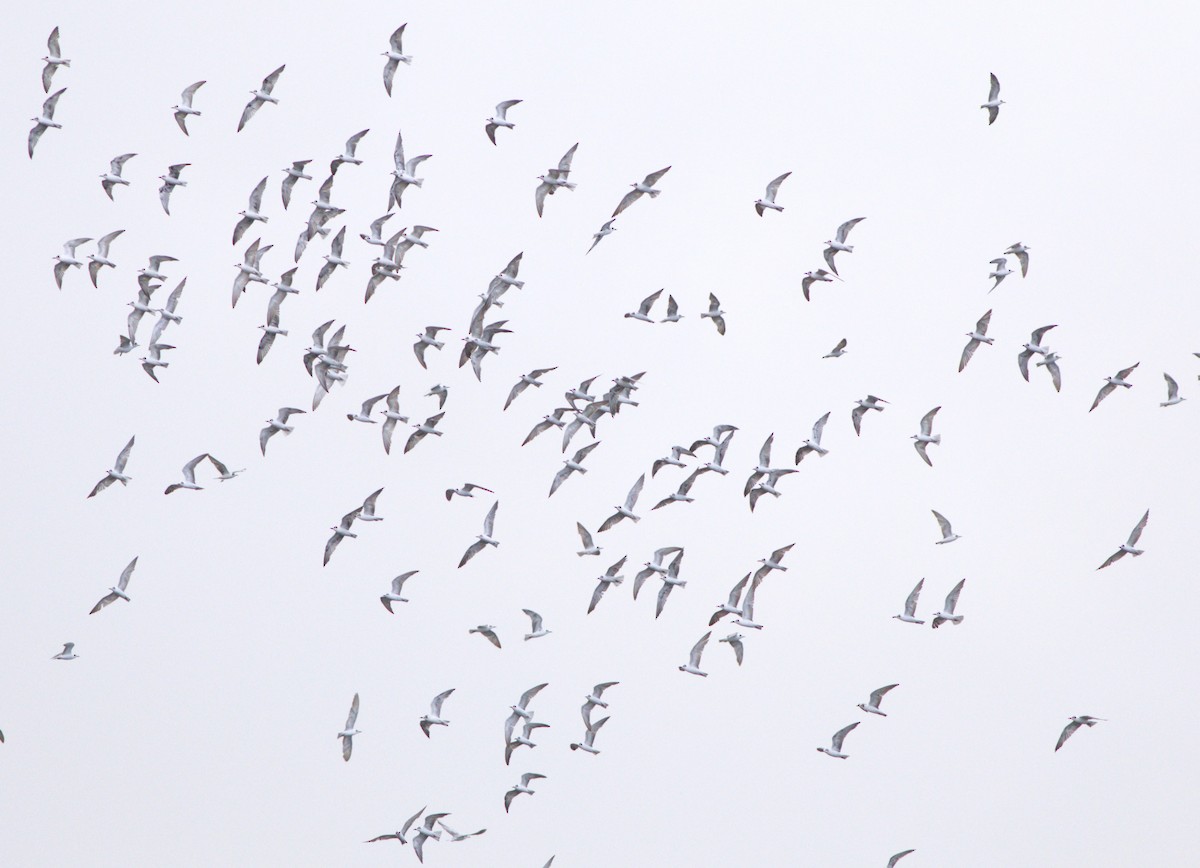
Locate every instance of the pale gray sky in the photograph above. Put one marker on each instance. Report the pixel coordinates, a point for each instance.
(198, 726)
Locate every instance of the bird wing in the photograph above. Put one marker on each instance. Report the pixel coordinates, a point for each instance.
(648, 302)
(920, 447)
(353, 715)
(858, 412)
(1055, 375)
(1104, 392)
(994, 89)
(535, 620)
(627, 200)
(910, 604)
(845, 228)
(584, 535)
(248, 112)
(652, 179)
(104, 601)
(435, 707)
(1172, 387)
(539, 196)
(1068, 731)
(490, 519)
(1137, 531)
(773, 187)
(663, 593)
(124, 455)
(564, 165)
(892, 862)
(952, 597)
(818, 428)
(764, 452)
(1122, 374)
(969, 351)
(877, 695)
(634, 492)
(927, 421)
(698, 649)
(840, 735)
(269, 82)
(942, 523)
(474, 549)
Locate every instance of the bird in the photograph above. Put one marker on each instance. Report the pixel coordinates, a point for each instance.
(871, 706)
(428, 339)
(67, 653)
(425, 831)
(53, 60)
(522, 787)
(333, 259)
(112, 177)
(155, 360)
(399, 836)
(670, 580)
(117, 592)
(167, 314)
(184, 109)
(773, 562)
(948, 535)
(1000, 272)
(735, 642)
(1076, 722)
(1129, 547)
(673, 314)
(746, 617)
(892, 862)
(434, 718)
(117, 473)
(680, 495)
(393, 596)
(594, 698)
(522, 740)
(589, 546)
(368, 507)
(605, 230)
(818, 276)
(395, 56)
(68, 259)
(730, 607)
(537, 631)
(611, 577)
(347, 156)
(839, 245)
(364, 414)
(643, 311)
(673, 459)
(863, 405)
(572, 465)
(814, 444)
(1172, 392)
(646, 185)
(261, 97)
(1111, 383)
(500, 119)
(468, 490)
(483, 540)
(947, 612)
(715, 313)
(440, 392)
(487, 631)
(993, 101)
(403, 175)
(1020, 251)
(769, 485)
(341, 531)
(977, 336)
(1033, 346)
(768, 201)
(837, 352)
(653, 566)
(292, 174)
(169, 182)
(692, 667)
(189, 476)
(45, 120)
(455, 837)
(99, 259)
(555, 178)
(527, 380)
(279, 423)
(271, 329)
(521, 711)
(626, 510)
(910, 606)
(225, 472)
(589, 736)
(835, 748)
(426, 427)
(348, 732)
(1050, 363)
(924, 438)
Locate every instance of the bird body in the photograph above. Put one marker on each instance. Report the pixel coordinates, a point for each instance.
(835, 748)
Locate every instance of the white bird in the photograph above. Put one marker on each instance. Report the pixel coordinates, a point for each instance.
(333, 259)
(715, 313)
(455, 837)
(292, 174)
(429, 426)
(653, 566)
(730, 607)
(626, 509)
(261, 97)
(113, 176)
(348, 732)
(1050, 363)
(839, 245)
(271, 329)
(155, 360)
(99, 259)
(434, 718)
(605, 230)
(555, 178)
(226, 473)
(189, 476)
(1111, 383)
(673, 459)
(68, 259)
(440, 392)
(774, 562)
(393, 596)
(746, 618)
(368, 507)
(768, 201)
(1172, 392)
(589, 737)
(643, 311)
(403, 174)
(500, 119)
(814, 444)
(680, 495)
(252, 214)
(347, 156)
(185, 106)
(428, 339)
(395, 56)
(868, 403)
(735, 642)
(399, 836)
(1020, 251)
(572, 465)
(611, 577)
(117, 473)
(340, 532)
(896, 858)
(947, 613)
(924, 438)
(67, 653)
(818, 276)
(977, 336)
(646, 185)
(364, 414)
(670, 581)
(426, 831)
(537, 631)
(673, 314)
(1129, 547)
(522, 787)
(1076, 722)
(167, 315)
(279, 423)
(993, 101)
(45, 120)
(468, 490)
(594, 698)
(910, 606)
(487, 631)
(1033, 346)
(768, 486)
(169, 182)
(53, 60)
(589, 546)
(126, 345)
(527, 380)
(838, 351)
(835, 748)
(1000, 272)
(871, 706)
(483, 540)
(948, 535)
(693, 665)
(115, 593)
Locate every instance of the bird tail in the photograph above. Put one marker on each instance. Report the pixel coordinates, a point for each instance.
(653, 194)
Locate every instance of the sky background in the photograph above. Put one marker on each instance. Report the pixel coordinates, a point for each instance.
(198, 726)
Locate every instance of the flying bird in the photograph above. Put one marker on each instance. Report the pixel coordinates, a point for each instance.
(653, 566)
(993, 101)
(589, 737)
(863, 405)
(948, 535)
(626, 510)
(835, 748)
(184, 109)
(522, 787)
(112, 177)
(1129, 546)
(1076, 722)
(1050, 363)
(1000, 272)
(99, 259)
(680, 495)
(428, 339)
(487, 631)
(814, 444)
(393, 596)
(555, 178)
(947, 613)
(261, 97)
(455, 837)
(673, 459)
(368, 507)
(527, 380)
(643, 311)
(572, 465)
(53, 60)
(1034, 346)
(348, 732)
(1111, 383)
(434, 718)
(500, 119)
(910, 606)
(768, 201)
(611, 577)
(225, 472)
(735, 642)
(252, 214)
(403, 175)
(537, 631)
(189, 476)
(715, 313)
(429, 426)
(468, 490)
(68, 259)
(395, 56)
(645, 186)
(818, 276)
(871, 706)
(1172, 392)
(605, 230)
(977, 336)
(341, 532)
(274, 426)
(483, 540)
(589, 546)
(924, 438)
(117, 473)
(169, 182)
(839, 245)
(45, 120)
(730, 606)
(292, 174)
(837, 352)
(692, 667)
(399, 836)
(67, 653)
(1020, 251)
(114, 593)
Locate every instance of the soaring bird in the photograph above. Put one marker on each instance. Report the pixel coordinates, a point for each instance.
(537, 631)
(274, 426)
(814, 444)
(572, 465)
(399, 836)
(611, 576)
(99, 259)
(730, 606)
(468, 490)
(871, 706)
(189, 476)
(117, 592)
(1111, 383)
(626, 509)
(428, 339)
(340, 532)
(67, 653)
(117, 473)
(863, 405)
(434, 718)
(395, 56)
(680, 495)
(292, 174)
(429, 426)
(522, 787)
(45, 120)
(484, 539)
(692, 667)
(673, 459)
(838, 351)
(403, 175)
(947, 612)
(1050, 363)
(1020, 251)
(768, 201)
(347, 156)
(1076, 722)
(184, 109)
(735, 642)
(839, 245)
(653, 566)
(1172, 392)
(835, 748)
(925, 437)
(500, 119)
(555, 178)
(1000, 272)
(715, 313)
(527, 380)
(645, 186)
(605, 230)
(348, 732)
(169, 182)
(112, 177)
(487, 631)
(260, 98)
(53, 60)
(909, 615)
(589, 545)
(643, 311)
(252, 214)
(818, 276)
(393, 596)
(977, 336)
(589, 737)
(948, 535)
(993, 101)
(68, 259)
(1128, 548)
(1034, 346)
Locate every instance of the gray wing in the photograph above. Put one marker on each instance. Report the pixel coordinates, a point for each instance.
(994, 89)
(564, 165)
(1122, 374)
(353, 716)
(927, 421)
(819, 427)
(969, 351)
(773, 187)
(634, 492)
(845, 228)
(584, 536)
(892, 862)
(698, 649)
(490, 520)
(1104, 392)
(248, 112)
(840, 735)
(627, 200)
(653, 178)
(942, 523)
(1067, 732)
(269, 82)
(101, 603)
(1137, 531)
(535, 620)
(124, 456)
(877, 695)
(528, 695)
(910, 604)
(474, 549)
(952, 597)
(435, 707)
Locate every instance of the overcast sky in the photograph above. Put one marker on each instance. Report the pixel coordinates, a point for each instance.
(198, 725)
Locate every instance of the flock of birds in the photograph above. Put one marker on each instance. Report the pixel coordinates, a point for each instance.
(326, 360)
